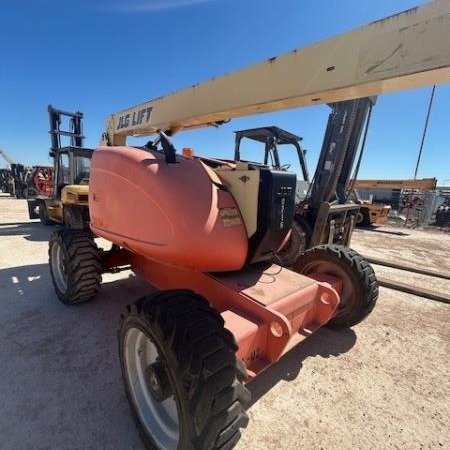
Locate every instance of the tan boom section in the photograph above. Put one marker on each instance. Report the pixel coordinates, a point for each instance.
(425, 184)
(406, 50)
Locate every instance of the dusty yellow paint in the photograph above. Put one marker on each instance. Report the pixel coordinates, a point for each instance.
(75, 194)
(244, 186)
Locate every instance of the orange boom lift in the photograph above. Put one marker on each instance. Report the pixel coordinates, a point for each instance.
(206, 231)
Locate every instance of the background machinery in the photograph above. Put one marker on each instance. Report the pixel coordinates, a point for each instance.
(273, 137)
(6, 182)
(14, 179)
(25, 181)
(20, 175)
(304, 225)
(425, 184)
(62, 193)
(204, 231)
(40, 183)
(414, 200)
(370, 212)
(327, 214)
(6, 179)
(6, 157)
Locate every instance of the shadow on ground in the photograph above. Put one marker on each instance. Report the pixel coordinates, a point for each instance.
(323, 343)
(383, 231)
(60, 378)
(31, 231)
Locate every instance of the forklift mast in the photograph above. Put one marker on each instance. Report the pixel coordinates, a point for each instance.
(64, 190)
(75, 132)
(76, 140)
(327, 210)
(340, 145)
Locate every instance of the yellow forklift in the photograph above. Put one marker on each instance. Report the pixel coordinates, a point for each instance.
(68, 204)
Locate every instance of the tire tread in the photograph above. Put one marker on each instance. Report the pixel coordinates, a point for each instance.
(365, 275)
(208, 369)
(85, 266)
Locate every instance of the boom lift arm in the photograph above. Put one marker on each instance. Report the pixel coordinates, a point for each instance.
(404, 51)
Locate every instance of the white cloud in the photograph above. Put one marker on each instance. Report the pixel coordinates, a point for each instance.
(152, 5)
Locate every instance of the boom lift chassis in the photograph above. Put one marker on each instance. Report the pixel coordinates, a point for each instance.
(266, 319)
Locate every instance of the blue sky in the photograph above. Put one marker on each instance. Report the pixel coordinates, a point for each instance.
(102, 56)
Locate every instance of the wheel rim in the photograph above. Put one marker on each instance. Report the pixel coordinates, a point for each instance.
(287, 247)
(59, 267)
(348, 296)
(298, 233)
(359, 217)
(159, 418)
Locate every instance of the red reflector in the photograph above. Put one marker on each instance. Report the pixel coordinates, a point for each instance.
(187, 151)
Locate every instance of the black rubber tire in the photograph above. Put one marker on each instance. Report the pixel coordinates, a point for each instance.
(32, 193)
(443, 217)
(82, 265)
(360, 285)
(43, 215)
(293, 248)
(205, 375)
(297, 244)
(73, 217)
(363, 218)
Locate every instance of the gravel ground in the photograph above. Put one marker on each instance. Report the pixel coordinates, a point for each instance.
(382, 385)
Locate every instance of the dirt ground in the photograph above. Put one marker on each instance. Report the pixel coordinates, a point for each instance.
(383, 385)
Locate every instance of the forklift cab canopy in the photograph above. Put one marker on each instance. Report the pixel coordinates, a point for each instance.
(271, 137)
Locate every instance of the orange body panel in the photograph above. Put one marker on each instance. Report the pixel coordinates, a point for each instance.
(267, 310)
(170, 221)
(170, 213)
